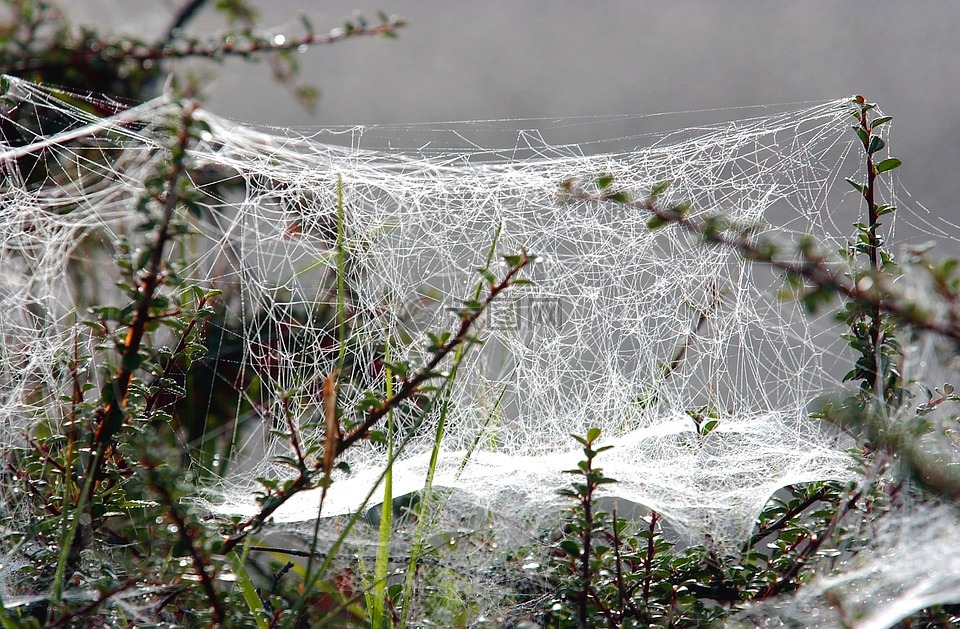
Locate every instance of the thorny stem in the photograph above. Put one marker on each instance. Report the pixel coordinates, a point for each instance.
(377, 412)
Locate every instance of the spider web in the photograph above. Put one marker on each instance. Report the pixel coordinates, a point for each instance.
(642, 333)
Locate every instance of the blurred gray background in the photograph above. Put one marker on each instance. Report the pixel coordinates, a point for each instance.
(497, 59)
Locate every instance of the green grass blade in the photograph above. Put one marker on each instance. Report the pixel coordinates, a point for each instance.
(386, 517)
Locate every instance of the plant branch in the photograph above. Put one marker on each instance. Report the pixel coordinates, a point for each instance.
(86, 610)
(187, 535)
(412, 385)
(785, 519)
(813, 267)
(375, 413)
(115, 393)
(180, 19)
(113, 52)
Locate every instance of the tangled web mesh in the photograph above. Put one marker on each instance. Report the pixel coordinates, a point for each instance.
(644, 334)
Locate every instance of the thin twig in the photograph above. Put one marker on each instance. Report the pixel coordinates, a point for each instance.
(109, 52)
(86, 610)
(648, 560)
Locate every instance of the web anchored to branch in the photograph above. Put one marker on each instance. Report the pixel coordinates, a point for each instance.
(682, 354)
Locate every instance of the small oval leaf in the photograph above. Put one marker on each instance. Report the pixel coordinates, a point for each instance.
(888, 164)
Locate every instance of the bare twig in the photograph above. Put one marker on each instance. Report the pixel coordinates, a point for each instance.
(180, 19)
(86, 610)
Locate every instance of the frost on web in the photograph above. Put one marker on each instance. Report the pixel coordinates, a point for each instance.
(641, 333)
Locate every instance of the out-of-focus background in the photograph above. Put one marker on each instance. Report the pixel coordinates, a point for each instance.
(509, 59)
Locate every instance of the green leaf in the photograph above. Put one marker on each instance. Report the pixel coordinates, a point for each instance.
(708, 427)
(655, 222)
(864, 136)
(592, 434)
(604, 181)
(306, 23)
(570, 547)
(888, 164)
(487, 275)
(876, 144)
(660, 188)
(862, 189)
(879, 121)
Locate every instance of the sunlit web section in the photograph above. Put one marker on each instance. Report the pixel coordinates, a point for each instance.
(644, 334)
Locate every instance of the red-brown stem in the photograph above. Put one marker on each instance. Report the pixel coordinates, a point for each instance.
(412, 385)
(376, 413)
(111, 416)
(799, 508)
(86, 610)
(648, 560)
(109, 53)
(812, 268)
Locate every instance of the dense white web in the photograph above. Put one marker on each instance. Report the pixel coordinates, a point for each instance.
(644, 334)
